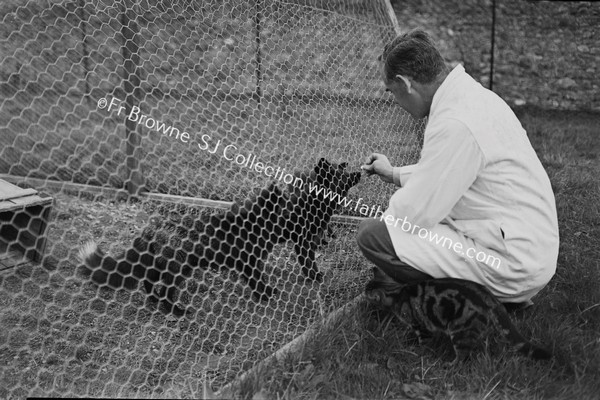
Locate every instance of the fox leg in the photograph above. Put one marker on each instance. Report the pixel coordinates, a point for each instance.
(306, 257)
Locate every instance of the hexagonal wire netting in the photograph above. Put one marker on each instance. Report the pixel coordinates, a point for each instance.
(138, 124)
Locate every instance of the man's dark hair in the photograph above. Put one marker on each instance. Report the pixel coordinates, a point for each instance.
(415, 55)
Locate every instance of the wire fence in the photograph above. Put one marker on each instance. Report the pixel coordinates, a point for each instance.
(214, 121)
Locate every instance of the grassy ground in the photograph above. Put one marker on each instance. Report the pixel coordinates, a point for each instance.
(369, 355)
(61, 335)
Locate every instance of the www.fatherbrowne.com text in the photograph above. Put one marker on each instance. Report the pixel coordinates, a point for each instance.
(231, 153)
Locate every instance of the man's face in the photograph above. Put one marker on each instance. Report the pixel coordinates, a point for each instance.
(400, 93)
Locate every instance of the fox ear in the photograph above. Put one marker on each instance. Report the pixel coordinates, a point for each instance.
(323, 162)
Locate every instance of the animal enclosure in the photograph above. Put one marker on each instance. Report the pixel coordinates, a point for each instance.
(133, 113)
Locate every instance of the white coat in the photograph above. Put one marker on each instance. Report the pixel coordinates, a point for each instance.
(479, 183)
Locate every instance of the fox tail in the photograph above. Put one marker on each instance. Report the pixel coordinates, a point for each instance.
(105, 270)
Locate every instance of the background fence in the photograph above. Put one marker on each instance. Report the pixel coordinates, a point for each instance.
(546, 52)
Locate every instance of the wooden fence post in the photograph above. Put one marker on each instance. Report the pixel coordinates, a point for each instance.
(257, 20)
(134, 182)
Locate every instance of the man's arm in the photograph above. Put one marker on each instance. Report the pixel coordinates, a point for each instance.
(378, 164)
(401, 174)
(450, 162)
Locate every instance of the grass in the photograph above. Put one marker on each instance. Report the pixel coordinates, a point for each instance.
(369, 355)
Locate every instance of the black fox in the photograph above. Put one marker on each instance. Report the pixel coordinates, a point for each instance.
(240, 239)
(306, 217)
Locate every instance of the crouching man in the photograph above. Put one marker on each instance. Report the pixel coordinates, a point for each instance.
(478, 205)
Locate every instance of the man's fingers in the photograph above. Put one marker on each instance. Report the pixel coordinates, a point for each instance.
(368, 168)
(372, 158)
(369, 165)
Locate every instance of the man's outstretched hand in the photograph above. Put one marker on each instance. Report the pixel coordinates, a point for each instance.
(379, 164)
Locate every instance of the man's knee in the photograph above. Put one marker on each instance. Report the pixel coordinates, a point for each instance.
(368, 230)
(376, 245)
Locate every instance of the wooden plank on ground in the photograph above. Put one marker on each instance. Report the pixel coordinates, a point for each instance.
(13, 197)
(23, 219)
(11, 259)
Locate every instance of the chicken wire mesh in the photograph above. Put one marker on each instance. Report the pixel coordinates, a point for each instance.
(194, 153)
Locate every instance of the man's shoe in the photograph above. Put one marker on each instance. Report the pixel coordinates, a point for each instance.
(378, 288)
(517, 307)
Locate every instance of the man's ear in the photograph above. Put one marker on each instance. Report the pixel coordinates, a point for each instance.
(406, 81)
